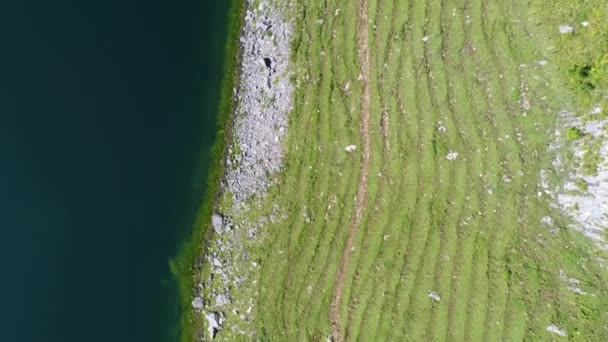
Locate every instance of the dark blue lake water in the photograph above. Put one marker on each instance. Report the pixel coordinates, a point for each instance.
(107, 110)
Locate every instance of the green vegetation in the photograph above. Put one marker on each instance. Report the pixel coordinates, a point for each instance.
(450, 75)
(575, 133)
(584, 52)
(481, 78)
(591, 158)
(183, 266)
(582, 185)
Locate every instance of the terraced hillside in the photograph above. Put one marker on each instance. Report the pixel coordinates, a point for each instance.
(434, 226)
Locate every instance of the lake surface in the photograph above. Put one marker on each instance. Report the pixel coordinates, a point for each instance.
(107, 111)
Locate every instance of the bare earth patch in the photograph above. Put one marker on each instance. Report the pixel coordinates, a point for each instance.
(363, 43)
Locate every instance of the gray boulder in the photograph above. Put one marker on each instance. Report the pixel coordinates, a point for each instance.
(217, 222)
(198, 303)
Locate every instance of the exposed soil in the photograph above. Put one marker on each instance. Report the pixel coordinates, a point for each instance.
(363, 42)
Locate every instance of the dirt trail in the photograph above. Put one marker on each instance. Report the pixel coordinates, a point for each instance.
(363, 42)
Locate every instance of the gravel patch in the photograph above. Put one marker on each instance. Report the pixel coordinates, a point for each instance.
(584, 196)
(264, 100)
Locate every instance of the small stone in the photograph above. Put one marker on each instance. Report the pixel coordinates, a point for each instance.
(213, 319)
(557, 330)
(585, 23)
(452, 156)
(227, 228)
(547, 221)
(350, 148)
(425, 39)
(441, 127)
(565, 29)
(434, 296)
(222, 300)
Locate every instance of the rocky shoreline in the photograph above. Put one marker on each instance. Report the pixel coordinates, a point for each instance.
(263, 99)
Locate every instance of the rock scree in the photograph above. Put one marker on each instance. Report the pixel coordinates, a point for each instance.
(263, 102)
(263, 98)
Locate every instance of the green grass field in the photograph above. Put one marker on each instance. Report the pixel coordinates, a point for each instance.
(445, 76)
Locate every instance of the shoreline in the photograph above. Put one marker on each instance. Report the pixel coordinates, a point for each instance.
(262, 100)
(183, 265)
(214, 268)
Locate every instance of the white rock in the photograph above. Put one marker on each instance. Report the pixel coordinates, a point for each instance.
(350, 148)
(542, 63)
(547, 221)
(217, 222)
(222, 300)
(564, 29)
(573, 283)
(441, 127)
(452, 155)
(585, 23)
(588, 209)
(557, 330)
(425, 39)
(213, 319)
(198, 303)
(434, 296)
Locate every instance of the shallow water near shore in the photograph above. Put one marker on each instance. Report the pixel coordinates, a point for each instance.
(107, 114)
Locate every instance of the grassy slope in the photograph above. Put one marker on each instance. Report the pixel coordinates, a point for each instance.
(183, 266)
(468, 229)
(585, 47)
(582, 58)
